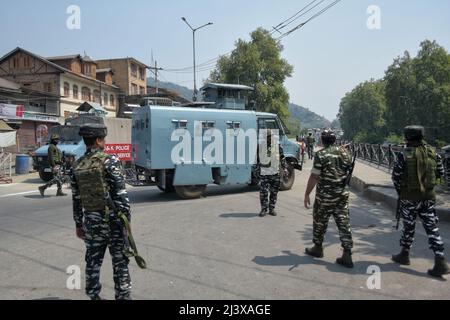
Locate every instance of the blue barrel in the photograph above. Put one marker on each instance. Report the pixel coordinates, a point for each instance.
(22, 164)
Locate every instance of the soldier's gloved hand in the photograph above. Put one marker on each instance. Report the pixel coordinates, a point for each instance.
(80, 233)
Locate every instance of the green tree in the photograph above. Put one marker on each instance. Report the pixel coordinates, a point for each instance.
(257, 63)
(418, 92)
(362, 112)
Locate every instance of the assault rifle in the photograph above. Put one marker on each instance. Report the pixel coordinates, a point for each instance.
(130, 249)
(352, 168)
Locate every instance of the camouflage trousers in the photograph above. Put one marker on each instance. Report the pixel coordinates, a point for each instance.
(57, 179)
(269, 184)
(427, 213)
(340, 213)
(99, 236)
(310, 150)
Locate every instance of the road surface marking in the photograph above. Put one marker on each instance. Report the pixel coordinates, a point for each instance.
(22, 193)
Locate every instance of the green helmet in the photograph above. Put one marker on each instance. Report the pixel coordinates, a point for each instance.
(55, 137)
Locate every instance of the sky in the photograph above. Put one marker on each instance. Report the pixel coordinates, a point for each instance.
(330, 55)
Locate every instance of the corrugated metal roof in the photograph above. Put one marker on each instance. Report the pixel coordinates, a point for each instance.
(226, 86)
(73, 56)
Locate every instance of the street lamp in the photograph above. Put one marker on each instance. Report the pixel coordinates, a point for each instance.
(193, 42)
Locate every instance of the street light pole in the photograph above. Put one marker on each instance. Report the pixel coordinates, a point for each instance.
(193, 46)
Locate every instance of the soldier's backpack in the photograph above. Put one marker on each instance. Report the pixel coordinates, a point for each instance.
(411, 186)
(90, 175)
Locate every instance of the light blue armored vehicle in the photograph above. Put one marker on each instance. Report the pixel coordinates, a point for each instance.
(183, 149)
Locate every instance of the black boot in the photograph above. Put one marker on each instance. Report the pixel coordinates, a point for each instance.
(263, 213)
(440, 267)
(42, 190)
(273, 213)
(346, 259)
(96, 297)
(402, 258)
(60, 193)
(316, 251)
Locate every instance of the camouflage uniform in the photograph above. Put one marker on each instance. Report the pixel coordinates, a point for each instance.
(310, 141)
(332, 164)
(270, 180)
(54, 159)
(424, 209)
(103, 230)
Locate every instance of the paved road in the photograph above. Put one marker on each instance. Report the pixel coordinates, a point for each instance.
(212, 248)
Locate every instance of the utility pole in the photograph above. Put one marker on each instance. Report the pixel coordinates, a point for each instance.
(194, 98)
(155, 70)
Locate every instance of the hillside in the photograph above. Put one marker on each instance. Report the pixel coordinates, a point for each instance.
(308, 119)
(182, 91)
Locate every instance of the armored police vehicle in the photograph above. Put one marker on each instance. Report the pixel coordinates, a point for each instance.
(72, 145)
(184, 148)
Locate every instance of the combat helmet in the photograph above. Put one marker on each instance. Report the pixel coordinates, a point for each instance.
(328, 136)
(93, 130)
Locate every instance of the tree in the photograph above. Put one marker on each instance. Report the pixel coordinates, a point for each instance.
(362, 112)
(418, 92)
(258, 64)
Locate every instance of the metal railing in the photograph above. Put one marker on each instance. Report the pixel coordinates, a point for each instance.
(5, 167)
(385, 156)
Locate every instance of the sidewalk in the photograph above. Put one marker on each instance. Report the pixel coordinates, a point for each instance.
(375, 183)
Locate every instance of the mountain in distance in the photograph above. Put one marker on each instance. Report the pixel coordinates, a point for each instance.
(307, 118)
(182, 91)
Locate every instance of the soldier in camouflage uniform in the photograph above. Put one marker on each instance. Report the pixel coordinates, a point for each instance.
(310, 142)
(55, 160)
(331, 168)
(270, 178)
(415, 176)
(95, 177)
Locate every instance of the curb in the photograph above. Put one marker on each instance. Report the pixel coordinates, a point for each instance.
(375, 193)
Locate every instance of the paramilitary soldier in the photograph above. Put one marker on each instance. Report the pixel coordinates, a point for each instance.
(270, 165)
(415, 176)
(55, 160)
(310, 143)
(331, 168)
(96, 179)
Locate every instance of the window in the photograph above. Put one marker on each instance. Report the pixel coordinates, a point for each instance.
(75, 92)
(66, 89)
(134, 70)
(47, 87)
(105, 98)
(86, 94)
(97, 96)
(142, 73)
(141, 91)
(134, 89)
(87, 69)
(111, 100)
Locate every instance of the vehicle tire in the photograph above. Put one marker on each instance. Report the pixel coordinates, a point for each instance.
(287, 179)
(46, 176)
(190, 192)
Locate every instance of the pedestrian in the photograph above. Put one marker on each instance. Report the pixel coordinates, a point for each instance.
(310, 143)
(270, 162)
(96, 179)
(415, 176)
(55, 161)
(331, 168)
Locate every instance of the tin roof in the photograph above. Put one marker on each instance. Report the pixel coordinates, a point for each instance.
(226, 86)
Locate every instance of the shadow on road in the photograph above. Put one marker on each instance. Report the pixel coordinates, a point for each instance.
(292, 260)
